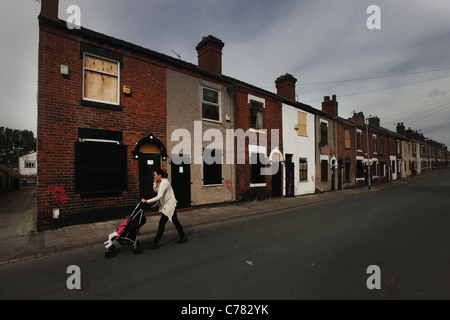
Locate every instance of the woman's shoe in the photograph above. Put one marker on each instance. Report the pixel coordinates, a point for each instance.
(182, 240)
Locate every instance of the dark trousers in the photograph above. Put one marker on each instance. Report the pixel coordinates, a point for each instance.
(162, 224)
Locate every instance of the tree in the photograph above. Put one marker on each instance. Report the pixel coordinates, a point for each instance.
(14, 143)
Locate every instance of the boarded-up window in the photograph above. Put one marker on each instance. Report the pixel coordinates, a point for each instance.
(302, 124)
(101, 79)
(347, 139)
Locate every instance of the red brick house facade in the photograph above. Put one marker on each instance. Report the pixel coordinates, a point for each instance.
(86, 130)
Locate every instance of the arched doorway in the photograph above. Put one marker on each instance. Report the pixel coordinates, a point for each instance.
(150, 152)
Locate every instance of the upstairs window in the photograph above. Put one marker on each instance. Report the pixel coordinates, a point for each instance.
(347, 139)
(256, 114)
(302, 128)
(210, 104)
(323, 133)
(101, 79)
(358, 140)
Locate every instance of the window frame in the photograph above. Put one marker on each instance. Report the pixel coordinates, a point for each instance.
(323, 137)
(303, 169)
(259, 109)
(84, 98)
(218, 104)
(302, 124)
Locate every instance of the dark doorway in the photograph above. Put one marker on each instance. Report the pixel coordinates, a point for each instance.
(148, 163)
(150, 152)
(181, 182)
(340, 173)
(276, 180)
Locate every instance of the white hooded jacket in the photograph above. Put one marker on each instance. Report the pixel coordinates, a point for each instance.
(167, 202)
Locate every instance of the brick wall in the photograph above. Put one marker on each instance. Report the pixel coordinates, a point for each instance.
(272, 120)
(60, 114)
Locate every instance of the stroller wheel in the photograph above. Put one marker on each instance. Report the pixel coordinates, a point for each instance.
(137, 250)
(109, 254)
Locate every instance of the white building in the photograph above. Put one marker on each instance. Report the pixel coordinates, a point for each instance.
(28, 168)
(298, 148)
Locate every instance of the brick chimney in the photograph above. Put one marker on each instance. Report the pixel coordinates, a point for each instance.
(330, 106)
(400, 128)
(358, 118)
(210, 54)
(286, 86)
(49, 8)
(409, 133)
(374, 122)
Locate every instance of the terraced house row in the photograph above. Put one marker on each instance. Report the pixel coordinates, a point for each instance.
(111, 112)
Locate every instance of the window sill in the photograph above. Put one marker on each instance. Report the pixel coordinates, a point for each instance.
(212, 120)
(100, 105)
(255, 185)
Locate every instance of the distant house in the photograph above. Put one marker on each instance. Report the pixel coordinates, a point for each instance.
(28, 168)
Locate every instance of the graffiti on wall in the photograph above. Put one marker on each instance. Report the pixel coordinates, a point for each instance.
(59, 193)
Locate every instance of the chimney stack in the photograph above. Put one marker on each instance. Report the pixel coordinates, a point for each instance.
(400, 128)
(49, 8)
(330, 106)
(210, 54)
(374, 122)
(358, 118)
(286, 86)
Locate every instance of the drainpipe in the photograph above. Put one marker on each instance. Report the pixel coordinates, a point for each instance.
(368, 162)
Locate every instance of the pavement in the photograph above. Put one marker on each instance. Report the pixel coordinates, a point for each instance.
(21, 242)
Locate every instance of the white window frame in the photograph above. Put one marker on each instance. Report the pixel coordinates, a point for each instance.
(219, 104)
(106, 73)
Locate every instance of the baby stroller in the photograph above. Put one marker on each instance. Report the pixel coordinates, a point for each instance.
(129, 235)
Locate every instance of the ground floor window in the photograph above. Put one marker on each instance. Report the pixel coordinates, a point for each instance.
(256, 165)
(303, 169)
(324, 170)
(212, 167)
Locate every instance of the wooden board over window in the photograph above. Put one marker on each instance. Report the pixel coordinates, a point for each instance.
(347, 139)
(101, 79)
(302, 124)
(101, 65)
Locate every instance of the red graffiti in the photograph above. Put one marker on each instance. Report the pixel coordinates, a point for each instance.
(59, 193)
(228, 184)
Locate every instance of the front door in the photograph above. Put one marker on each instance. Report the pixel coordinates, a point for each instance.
(276, 181)
(148, 163)
(290, 180)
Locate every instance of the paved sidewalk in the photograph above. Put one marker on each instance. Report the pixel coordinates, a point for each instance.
(94, 234)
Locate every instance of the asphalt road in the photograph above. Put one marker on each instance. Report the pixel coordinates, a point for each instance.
(321, 251)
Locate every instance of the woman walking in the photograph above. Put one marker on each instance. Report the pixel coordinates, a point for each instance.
(167, 206)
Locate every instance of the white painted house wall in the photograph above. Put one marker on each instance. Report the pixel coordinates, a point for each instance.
(299, 147)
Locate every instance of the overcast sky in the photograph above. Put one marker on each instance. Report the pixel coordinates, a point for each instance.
(403, 69)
